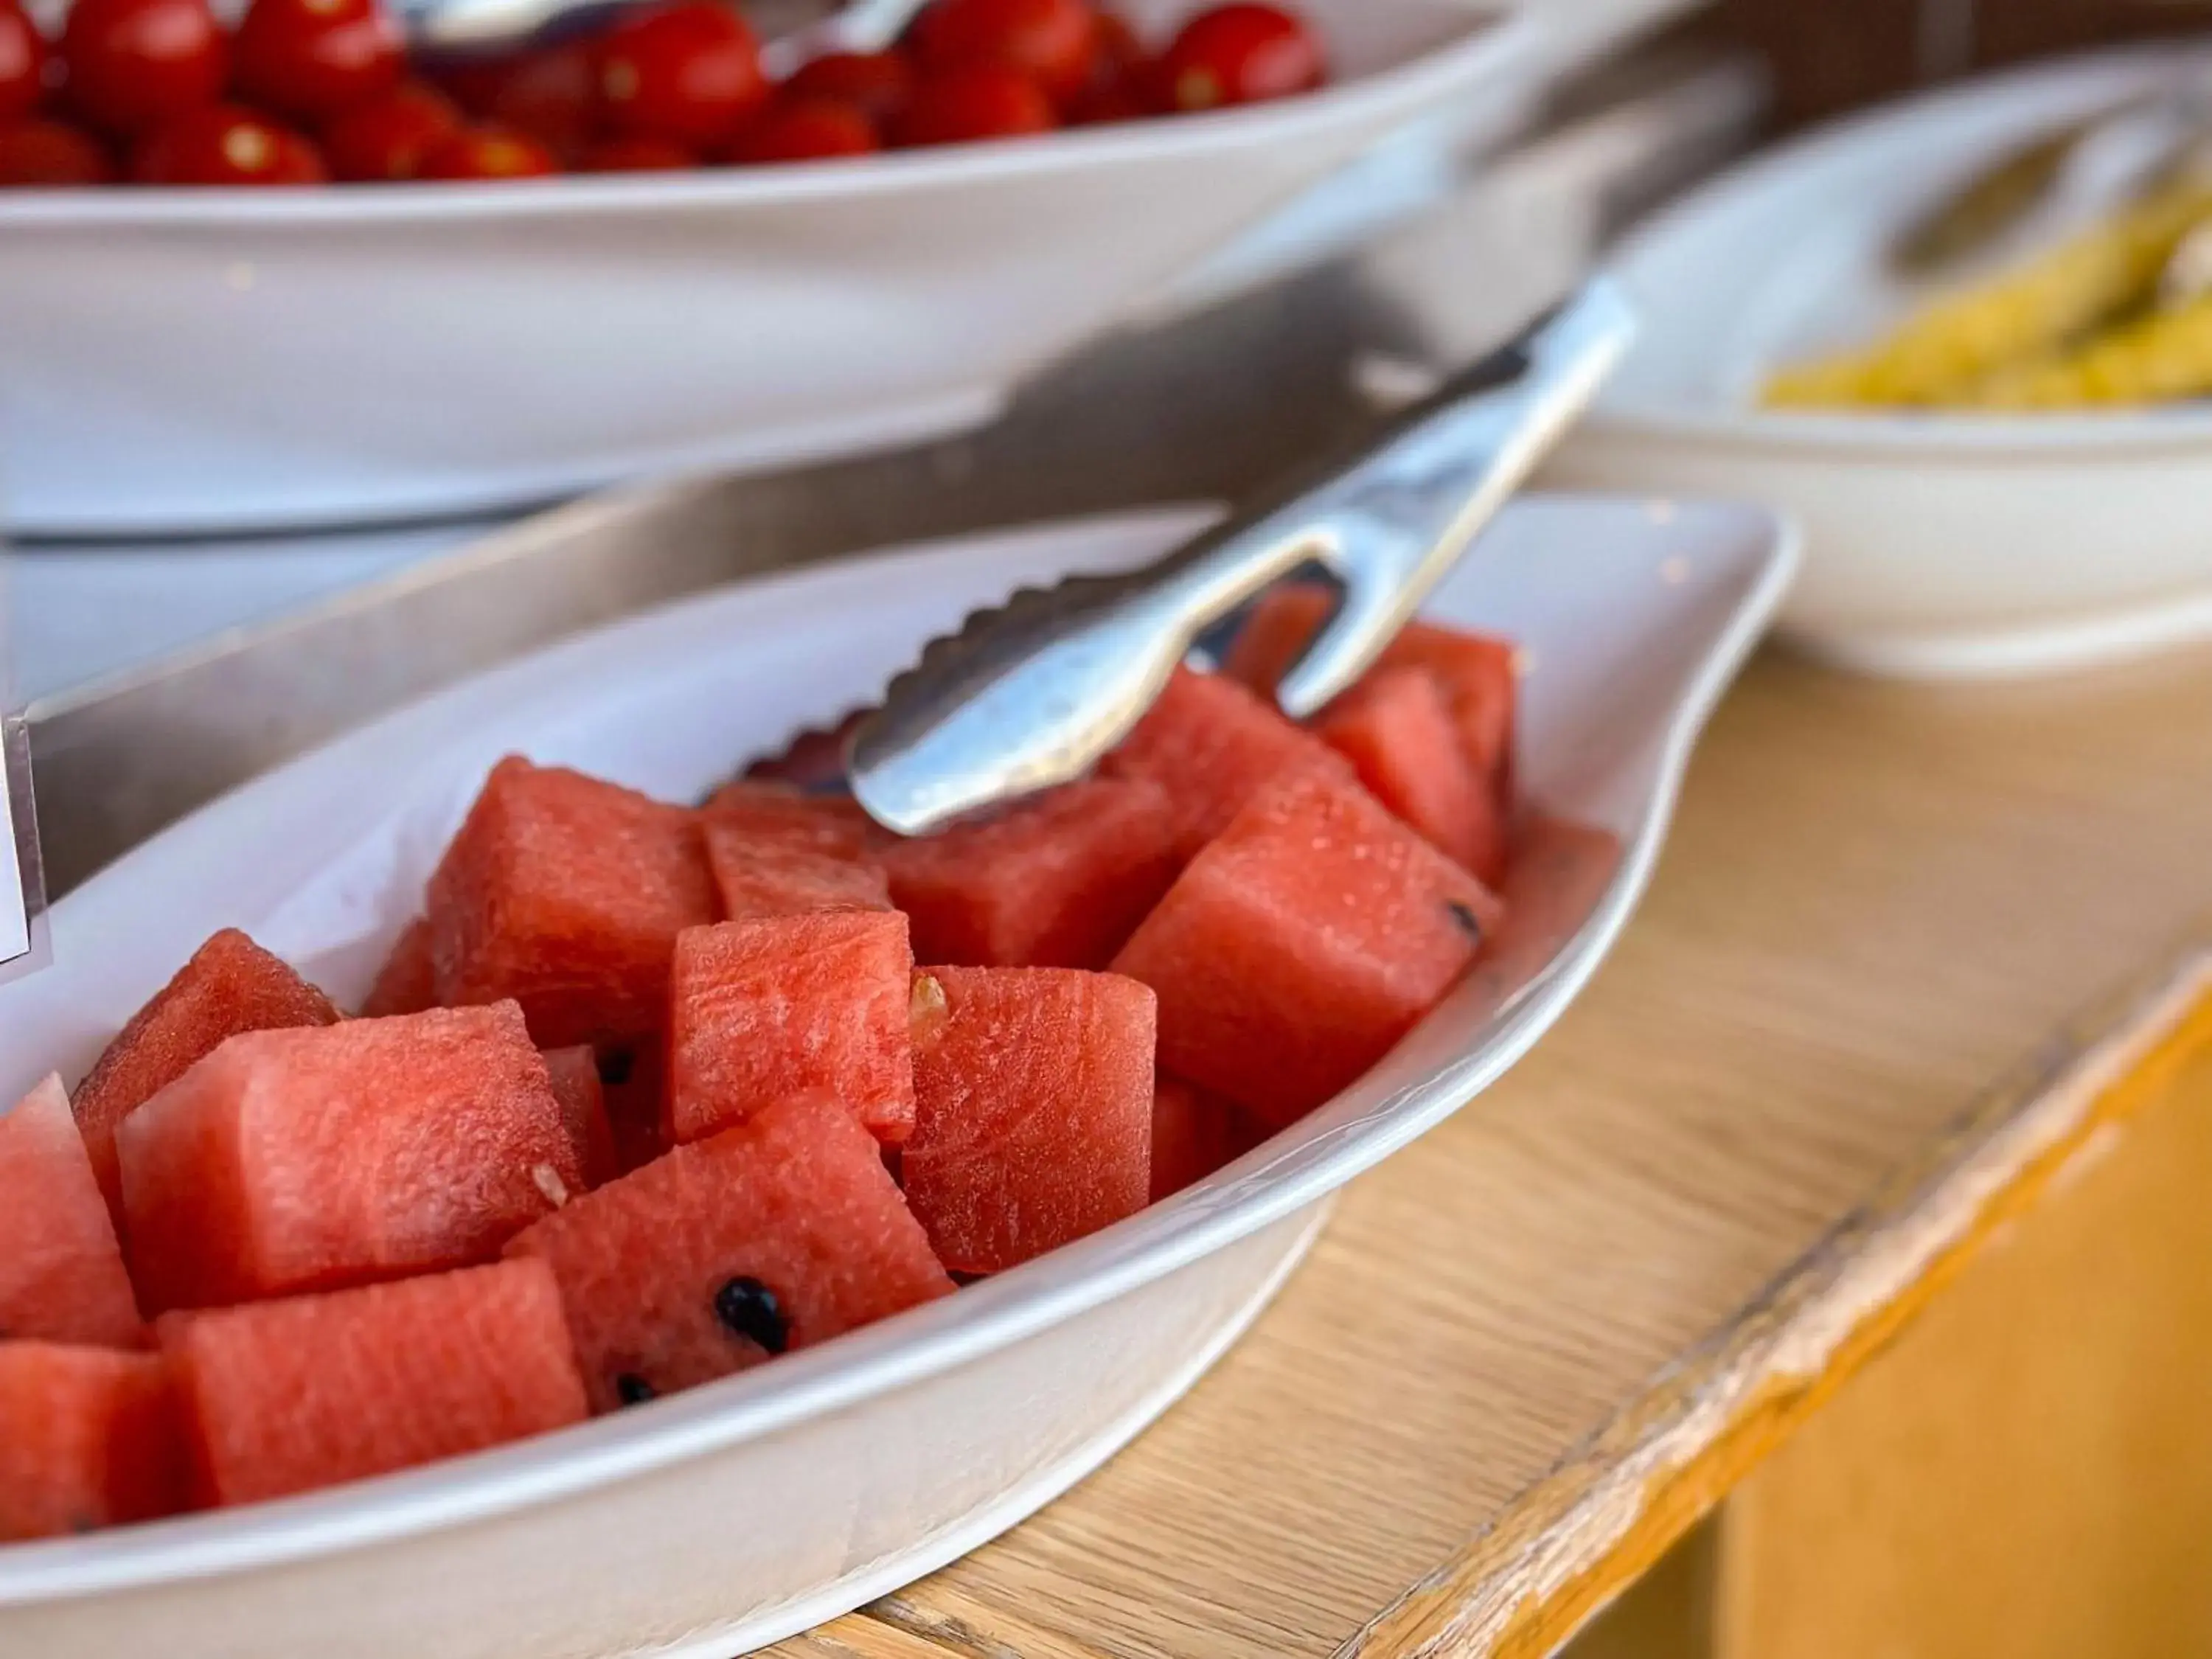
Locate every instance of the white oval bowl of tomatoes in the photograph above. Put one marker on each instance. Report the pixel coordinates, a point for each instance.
(273, 274)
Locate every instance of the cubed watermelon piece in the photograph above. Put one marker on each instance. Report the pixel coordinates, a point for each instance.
(574, 1074)
(1060, 881)
(834, 825)
(566, 893)
(1296, 949)
(61, 1278)
(408, 981)
(88, 1439)
(230, 985)
(778, 1234)
(1212, 745)
(291, 1161)
(781, 1006)
(1194, 1133)
(1397, 731)
(813, 761)
(633, 1082)
(1033, 1089)
(1479, 673)
(292, 1395)
(771, 875)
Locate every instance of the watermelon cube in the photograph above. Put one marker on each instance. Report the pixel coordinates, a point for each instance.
(1060, 881)
(834, 825)
(1033, 1089)
(291, 1161)
(88, 1439)
(61, 1278)
(574, 1074)
(230, 985)
(634, 1083)
(408, 981)
(1194, 1133)
(781, 1005)
(292, 1395)
(1398, 731)
(1212, 745)
(778, 1234)
(813, 761)
(565, 894)
(1477, 672)
(1298, 949)
(758, 875)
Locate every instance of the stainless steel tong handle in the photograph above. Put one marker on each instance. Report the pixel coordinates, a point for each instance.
(22, 886)
(1033, 693)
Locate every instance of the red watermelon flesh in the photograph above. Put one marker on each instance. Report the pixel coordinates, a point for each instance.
(230, 985)
(1033, 1089)
(291, 1161)
(780, 1233)
(292, 1395)
(61, 1271)
(633, 1082)
(1397, 731)
(1213, 745)
(1477, 672)
(781, 1006)
(575, 1077)
(1298, 948)
(88, 1439)
(1194, 1133)
(759, 876)
(1060, 881)
(408, 981)
(813, 760)
(834, 825)
(566, 893)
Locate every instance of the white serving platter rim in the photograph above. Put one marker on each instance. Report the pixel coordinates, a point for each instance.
(1492, 33)
(2016, 100)
(1267, 1186)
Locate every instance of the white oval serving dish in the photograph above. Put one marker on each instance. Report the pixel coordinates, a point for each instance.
(212, 360)
(713, 1521)
(1937, 544)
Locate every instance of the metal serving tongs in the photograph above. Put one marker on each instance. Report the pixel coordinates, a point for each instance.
(1033, 693)
(792, 31)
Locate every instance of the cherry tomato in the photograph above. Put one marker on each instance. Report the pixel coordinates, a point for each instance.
(490, 152)
(806, 130)
(1055, 41)
(637, 156)
(552, 95)
(877, 84)
(983, 100)
(52, 153)
(134, 65)
(311, 60)
(1121, 82)
(688, 70)
(1243, 53)
(226, 144)
(22, 63)
(387, 138)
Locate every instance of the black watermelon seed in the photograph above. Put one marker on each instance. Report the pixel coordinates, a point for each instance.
(616, 1066)
(748, 1308)
(634, 1390)
(1468, 922)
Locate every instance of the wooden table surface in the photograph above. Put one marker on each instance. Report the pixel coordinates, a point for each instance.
(1902, 941)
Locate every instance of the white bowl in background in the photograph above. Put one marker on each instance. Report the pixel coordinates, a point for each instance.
(730, 1516)
(197, 359)
(1936, 544)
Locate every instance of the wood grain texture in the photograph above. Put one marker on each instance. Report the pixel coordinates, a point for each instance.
(2028, 1472)
(1531, 1349)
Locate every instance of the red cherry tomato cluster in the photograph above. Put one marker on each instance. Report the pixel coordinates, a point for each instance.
(303, 91)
